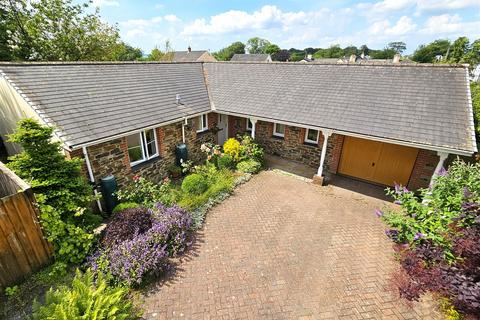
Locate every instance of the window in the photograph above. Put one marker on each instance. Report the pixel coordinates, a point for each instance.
(202, 124)
(279, 130)
(249, 125)
(142, 146)
(311, 136)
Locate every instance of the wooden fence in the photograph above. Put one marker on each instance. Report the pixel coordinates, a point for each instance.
(23, 248)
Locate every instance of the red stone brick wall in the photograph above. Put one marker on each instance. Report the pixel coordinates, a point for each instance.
(423, 169)
(334, 152)
(236, 125)
(111, 157)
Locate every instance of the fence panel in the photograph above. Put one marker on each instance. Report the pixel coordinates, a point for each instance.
(23, 248)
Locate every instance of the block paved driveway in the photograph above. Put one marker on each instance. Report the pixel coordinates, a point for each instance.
(282, 248)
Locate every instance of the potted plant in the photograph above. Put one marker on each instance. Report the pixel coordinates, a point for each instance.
(175, 171)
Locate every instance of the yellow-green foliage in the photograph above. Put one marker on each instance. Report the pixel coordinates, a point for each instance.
(232, 148)
(222, 181)
(86, 300)
(450, 312)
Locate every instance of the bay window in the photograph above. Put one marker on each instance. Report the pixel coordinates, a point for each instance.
(142, 146)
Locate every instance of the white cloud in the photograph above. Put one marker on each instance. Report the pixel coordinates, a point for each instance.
(159, 6)
(105, 3)
(403, 26)
(172, 18)
(447, 24)
(267, 18)
(385, 6)
(446, 4)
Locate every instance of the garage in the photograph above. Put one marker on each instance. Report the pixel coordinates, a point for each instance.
(378, 162)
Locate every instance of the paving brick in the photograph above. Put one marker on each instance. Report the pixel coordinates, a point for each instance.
(281, 248)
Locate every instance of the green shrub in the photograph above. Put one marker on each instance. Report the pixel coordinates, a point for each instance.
(147, 193)
(85, 299)
(432, 214)
(249, 166)
(225, 162)
(125, 205)
(250, 150)
(222, 181)
(63, 194)
(194, 184)
(232, 148)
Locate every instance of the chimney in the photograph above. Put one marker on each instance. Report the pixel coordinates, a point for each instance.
(178, 98)
(353, 58)
(396, 58)
(189, 49)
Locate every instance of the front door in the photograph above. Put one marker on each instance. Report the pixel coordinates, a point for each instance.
(223, 128)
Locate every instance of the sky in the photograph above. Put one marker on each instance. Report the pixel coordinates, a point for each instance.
(214, 24)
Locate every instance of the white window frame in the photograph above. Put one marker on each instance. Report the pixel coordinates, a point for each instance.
(249, 125)
(275, 133)
(311, 141)
(204, 122)
(143, 145)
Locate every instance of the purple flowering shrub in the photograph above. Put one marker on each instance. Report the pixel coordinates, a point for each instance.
(126, 224)
(138, 242)
(437, 236)
(178, 222)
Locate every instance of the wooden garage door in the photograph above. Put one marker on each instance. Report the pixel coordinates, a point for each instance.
(378, 162)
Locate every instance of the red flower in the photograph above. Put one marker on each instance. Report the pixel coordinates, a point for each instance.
(136, 178)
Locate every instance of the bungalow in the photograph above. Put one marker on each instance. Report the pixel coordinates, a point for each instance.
(251, 57)
(193, 56)
(379, 123)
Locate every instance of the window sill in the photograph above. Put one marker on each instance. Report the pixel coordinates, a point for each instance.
(278, 137)
(140, 165)
(311, 144)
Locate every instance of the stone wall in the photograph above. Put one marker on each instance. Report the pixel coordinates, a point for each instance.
(111, 157)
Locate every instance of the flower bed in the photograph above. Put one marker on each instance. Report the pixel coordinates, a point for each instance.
(153, 221)
(437, 237)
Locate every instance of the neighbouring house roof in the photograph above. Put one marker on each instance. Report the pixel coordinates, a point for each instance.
(258, 57)
(92, 101)
(427, 105)
(188, 56)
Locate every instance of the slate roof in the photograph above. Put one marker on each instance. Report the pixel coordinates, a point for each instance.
(257, 57)
(91, 101)
(421, 104)
(186, 56)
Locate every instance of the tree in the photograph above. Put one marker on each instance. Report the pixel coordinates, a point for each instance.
(472, 57)
(282, 55)
(397, 46)
(458, 50)
(48, 30)
(333, 51)
(364, 49)
(257, 45)
(126, 52)
(271, 49)
(387, 53)
(158, 55)
(430, 52)
(227, 53)
(348, 51)
(63, 194)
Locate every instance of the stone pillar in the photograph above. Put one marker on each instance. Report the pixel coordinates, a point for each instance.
(318, 178)
(443, 156)
(254, 124)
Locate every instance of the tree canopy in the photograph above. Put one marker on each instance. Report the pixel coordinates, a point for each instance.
(257, 45)
(161, 55)
(49, 30)
(227, 53)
